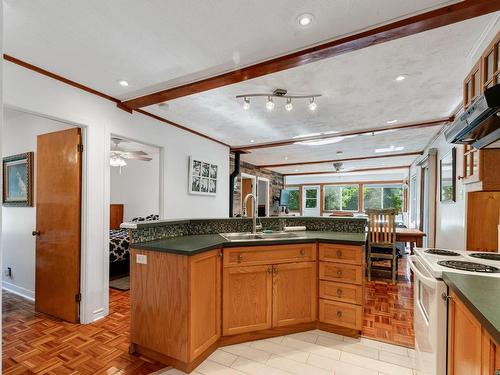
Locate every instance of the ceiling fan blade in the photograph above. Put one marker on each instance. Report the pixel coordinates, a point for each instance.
(126, 152)
(137, 157)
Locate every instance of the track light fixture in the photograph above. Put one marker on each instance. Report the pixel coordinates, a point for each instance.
(280, 93)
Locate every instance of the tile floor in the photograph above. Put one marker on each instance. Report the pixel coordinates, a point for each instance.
(308, 353)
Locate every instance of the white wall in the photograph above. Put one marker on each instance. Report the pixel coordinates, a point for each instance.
(137, 187)
(101, 118)
(19, 136)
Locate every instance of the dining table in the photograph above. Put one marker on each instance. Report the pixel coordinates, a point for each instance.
(415, 237)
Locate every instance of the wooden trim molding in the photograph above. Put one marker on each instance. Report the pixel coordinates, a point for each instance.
(77, 85)
(351, 171)
(395, 30)
(415, 125)
(416, 153)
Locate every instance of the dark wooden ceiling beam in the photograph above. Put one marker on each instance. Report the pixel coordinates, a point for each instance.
(422, 22)
(416, 125)
(351, 171)
(416, 153)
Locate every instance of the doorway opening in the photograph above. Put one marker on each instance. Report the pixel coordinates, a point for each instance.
(41, 218)
(262, 197)
(134, 197)
(248, 186)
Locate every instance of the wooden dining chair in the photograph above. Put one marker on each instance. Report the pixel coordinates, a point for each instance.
(382, 240)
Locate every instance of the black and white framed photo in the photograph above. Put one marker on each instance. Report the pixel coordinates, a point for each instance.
(202, 177)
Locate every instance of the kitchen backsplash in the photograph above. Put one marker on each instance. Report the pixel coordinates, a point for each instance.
(157, 230)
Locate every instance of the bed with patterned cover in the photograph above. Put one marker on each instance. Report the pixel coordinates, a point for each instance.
(119, 253)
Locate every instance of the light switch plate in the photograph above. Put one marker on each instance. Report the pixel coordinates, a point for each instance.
(141, 259)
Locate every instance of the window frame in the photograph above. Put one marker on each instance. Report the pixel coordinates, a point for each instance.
(384, 186)
(342, 185)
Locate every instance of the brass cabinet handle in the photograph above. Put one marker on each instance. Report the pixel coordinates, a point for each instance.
(339, 253)
(339, 273)
(339, 314)
(220, 253)
(339, 292)
(240, 258)
(302, 252)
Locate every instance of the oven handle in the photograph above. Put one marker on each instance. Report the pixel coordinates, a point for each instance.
(429, 281)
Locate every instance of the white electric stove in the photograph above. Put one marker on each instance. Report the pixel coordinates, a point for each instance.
(430, 299)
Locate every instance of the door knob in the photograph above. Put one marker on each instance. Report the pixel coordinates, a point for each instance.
(240, 258)
(339, 292)
(35, 233)
(339, 314)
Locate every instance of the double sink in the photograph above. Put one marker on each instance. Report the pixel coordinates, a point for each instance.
(245, 236)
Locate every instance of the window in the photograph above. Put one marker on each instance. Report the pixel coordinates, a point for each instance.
(383, 196)
(413, 198)
(311, 198)
(294, 200)
(341, 198)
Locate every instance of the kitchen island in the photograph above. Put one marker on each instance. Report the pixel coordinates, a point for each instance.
(193, 293)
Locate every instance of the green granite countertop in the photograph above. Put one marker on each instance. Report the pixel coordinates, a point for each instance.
(480, 294)
(191, 245)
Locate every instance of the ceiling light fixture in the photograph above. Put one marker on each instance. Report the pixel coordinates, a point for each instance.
(279, 93)
(392, 121)
(401, 77)
(123, 83)
(270, 104)
(117, 161)
(246, 104)
(389, 149)
(312, 105)
(252, 141)
(305, 19)
(340, 152)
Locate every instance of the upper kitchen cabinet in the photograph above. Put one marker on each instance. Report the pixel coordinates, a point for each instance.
(472, 85)
(480, 169)
(490, 64)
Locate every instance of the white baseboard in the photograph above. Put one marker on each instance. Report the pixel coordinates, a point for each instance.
(20, 291)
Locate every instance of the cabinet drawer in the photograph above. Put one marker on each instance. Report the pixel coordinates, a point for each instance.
(345, 273)
(259, 255)
(341, 253)
(347, 293)
(341, 314)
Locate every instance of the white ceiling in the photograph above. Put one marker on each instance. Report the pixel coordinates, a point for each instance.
(157, 43)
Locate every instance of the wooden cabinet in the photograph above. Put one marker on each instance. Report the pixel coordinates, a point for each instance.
(483, 216)
(480, 169)
(472, 85)
(175, 306)
(268, 286)
(294, 293)
(471, 351)
(341, 285)
(247, 299)
(490, 64)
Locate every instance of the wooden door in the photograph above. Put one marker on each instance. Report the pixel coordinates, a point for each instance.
(58, 211)
(246, 299)
(205, 300)
(464, 340)
(247, 188)
(294, 293)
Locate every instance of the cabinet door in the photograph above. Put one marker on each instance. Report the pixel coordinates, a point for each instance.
(294, 293)
(205, 300)
(491, 355)
(464, 340)
(247, 299)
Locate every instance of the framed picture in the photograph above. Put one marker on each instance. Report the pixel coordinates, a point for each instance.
(448, 173)
(202, 177)
(18, 180)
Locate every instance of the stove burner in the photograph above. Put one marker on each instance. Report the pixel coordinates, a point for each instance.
(441, 252)
(468, 266)
(487, 256)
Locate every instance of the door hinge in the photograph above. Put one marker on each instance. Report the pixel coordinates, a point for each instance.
(79, 147)
(78, 297)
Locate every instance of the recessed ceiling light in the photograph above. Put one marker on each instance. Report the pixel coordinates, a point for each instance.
(123, 83)
(305, 19)
(340, 152)
(252, 141)
(389, 149)
(401, 77)
(286, 157)
(392, 121)
(295, 170)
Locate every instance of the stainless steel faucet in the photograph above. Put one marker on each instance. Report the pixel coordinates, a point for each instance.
(254, 207)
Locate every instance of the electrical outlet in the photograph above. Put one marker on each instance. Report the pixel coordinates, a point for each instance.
(141, 259)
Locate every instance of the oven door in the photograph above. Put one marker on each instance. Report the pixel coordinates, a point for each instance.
(430, 320)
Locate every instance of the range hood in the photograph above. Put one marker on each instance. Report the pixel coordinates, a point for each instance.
(479, 125)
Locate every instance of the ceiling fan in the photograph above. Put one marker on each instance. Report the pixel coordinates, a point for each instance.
(118, 155)
(339, 167)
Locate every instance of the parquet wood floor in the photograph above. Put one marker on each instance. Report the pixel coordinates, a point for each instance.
(35, 343)
(388, 313)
